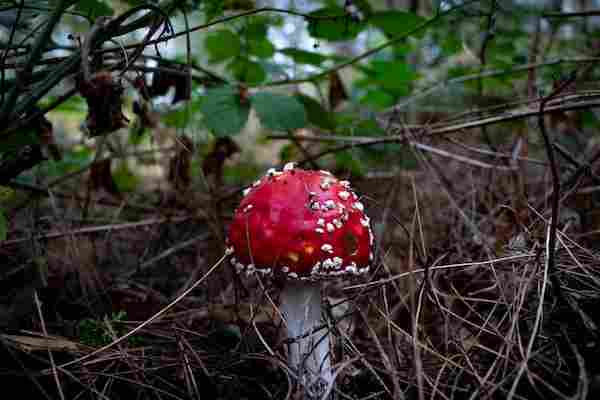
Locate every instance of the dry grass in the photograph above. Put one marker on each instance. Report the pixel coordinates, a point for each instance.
(459, 305)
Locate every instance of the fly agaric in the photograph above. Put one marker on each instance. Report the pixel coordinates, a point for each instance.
(302, 227)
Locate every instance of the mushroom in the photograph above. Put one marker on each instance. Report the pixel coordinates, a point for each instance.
(302, 227)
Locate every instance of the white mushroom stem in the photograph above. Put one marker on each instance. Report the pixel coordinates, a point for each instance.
(308, 350)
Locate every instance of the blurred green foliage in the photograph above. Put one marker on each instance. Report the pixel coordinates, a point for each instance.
(241, 66)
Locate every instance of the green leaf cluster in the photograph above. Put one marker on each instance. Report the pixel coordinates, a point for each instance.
(94, 8)
(94, 332)
(243, 49)
(226, 110)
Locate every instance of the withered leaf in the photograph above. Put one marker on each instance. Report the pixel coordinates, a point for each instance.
(224, 148)
(104, 99)
(180, 164)
(337, 92)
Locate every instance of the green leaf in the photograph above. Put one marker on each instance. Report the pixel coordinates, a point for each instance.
(75, 106)
(94, 8)
(368, 127)
(303, 56)
(257, 28)
(223, 112)
(451, 44)
(345, 160)
(316, 113)
(393, 75)
(395, 23)
(332, 23)
(377, 99)
(248, 71)
(460, 71)
(590, 120)
(3, 226)
(72, 160)
(177, 118)
(125, 179)
(222, 45)
(213, 9)
(279, 112)
(216, 8)
(261, 48)
(182, 116)
(238, 5)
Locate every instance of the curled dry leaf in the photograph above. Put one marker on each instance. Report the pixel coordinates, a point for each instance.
(337, 91)
(104, 100)
(212, 165)
(180, 165)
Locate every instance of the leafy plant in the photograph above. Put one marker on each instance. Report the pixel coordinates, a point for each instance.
(96, 333)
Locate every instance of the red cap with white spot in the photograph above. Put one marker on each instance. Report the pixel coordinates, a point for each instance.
(302, 224)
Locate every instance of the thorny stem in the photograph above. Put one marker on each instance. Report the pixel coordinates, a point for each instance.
(34, 55)
(88, 44)
(8, 45)
(308, 350)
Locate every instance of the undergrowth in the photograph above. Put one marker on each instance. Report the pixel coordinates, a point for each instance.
(460, 303)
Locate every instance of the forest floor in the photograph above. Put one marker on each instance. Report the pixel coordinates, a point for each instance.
(461, 302)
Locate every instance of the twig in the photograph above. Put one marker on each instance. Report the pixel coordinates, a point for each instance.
(457, 157)
(8, 44)
(88, 44)
(495, 154)
(96, 229)
(188, 48)
(556, 184)
(38, 305)
(140, 47)
(304, 151)
(585, 14)
(168, 252)
(487, 74)
(558, 103)
(436, 268)
(45, 191)
(539, 313)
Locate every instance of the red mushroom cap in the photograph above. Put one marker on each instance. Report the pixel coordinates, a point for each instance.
(303, 224)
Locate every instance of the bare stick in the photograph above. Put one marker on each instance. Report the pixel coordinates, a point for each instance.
(38, 305)
(538, 316)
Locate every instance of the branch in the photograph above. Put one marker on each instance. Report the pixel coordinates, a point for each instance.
(557, 103)
(584, 14)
